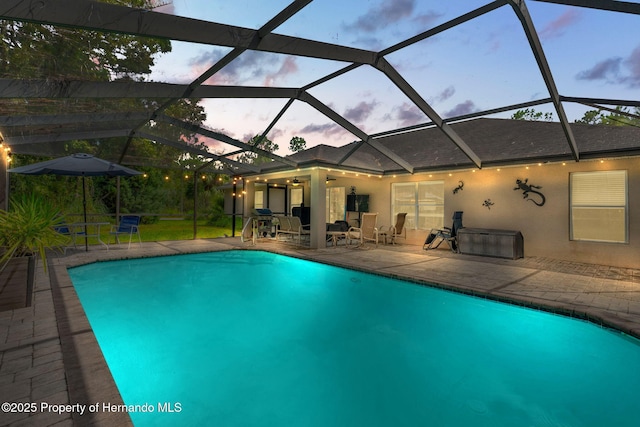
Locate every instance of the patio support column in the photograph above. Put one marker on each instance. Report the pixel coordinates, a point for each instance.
(318, 197)
(249, 199)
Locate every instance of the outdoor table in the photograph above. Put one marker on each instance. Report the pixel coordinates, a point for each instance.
(88, 229)
(337, 235)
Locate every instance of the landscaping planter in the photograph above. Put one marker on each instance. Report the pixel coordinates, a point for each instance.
(16, 283)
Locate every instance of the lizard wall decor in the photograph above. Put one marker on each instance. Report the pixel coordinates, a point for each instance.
(526, 189)
(488, 203)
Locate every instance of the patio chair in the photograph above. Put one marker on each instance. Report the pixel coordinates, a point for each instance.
(66, 230)
(129, 225)
(394, 231)
(283, 227)
(298, 229)
(367, 230)
(448, 235)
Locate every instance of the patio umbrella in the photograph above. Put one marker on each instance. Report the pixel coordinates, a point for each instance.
(79, 164)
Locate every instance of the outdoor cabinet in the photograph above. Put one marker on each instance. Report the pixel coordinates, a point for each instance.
(490, 242)
(358, 203)
(304, 213)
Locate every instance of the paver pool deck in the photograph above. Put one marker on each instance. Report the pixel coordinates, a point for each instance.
(49, 354)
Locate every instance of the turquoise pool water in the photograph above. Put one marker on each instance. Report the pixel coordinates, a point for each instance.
(246, 338)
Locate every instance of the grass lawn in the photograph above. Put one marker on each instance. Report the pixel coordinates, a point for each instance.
(182, 229)
(174, 229)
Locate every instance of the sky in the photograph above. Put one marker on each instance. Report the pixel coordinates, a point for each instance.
(483, 64)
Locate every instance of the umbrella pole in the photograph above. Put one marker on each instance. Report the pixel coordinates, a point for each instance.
(84, 208)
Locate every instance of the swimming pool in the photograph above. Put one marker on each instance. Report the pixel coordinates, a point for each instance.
(246, 338)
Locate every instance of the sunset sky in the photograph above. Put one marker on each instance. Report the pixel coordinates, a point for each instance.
(483, 64)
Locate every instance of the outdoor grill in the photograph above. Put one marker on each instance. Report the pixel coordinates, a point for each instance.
(263, 222)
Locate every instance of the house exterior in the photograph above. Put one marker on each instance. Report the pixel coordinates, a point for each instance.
(581, 211)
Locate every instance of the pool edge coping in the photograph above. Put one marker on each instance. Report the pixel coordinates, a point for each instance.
(75, 375)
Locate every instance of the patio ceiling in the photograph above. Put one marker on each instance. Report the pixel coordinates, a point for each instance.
(89, 109)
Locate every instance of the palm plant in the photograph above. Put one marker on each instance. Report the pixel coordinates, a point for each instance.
(28, 229)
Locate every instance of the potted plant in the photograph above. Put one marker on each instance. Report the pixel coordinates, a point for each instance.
(26, 231)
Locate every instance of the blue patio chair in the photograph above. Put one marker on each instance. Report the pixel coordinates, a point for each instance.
(66, 230)
(448, 235)
(129, 225)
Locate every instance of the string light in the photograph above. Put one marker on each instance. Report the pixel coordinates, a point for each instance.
(7, 151)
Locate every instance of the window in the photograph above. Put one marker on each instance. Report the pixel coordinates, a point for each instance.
(258, 199)
(336, 197)
(599, 206)
(422, 201)
(296, 197)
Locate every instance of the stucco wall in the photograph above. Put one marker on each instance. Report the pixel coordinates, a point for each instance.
(545, 228)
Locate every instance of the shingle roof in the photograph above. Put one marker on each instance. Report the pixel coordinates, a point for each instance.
(496, 141)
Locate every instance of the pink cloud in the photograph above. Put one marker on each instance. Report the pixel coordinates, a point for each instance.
(360, 112)
(462, 109)
(408, 115)
(385, 13)
(164, 7)
(446, 94)
(288, 66)
(616, 70)
(607, 69)
(214, 146)
(247, 67)
(556, 27)
(633, 62)
(327, 130)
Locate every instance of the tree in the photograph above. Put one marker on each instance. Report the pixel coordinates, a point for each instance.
(591, 117)
(622, 116)
(30, 50)
(255, 158)
(532, 115)
(59, 54)
(297, 144)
